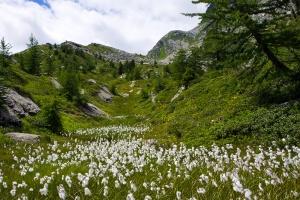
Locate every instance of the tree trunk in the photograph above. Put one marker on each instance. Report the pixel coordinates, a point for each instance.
(268, 52)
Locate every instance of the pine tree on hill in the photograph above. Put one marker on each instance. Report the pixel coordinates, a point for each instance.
(33, 59)
(5, 52)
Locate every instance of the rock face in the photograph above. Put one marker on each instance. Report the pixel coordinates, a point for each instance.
(116, 55)
(55, 83)
(92, 110)
(167, 47)
(20, 105)
(105, 95)
(24, 137)
(16, 106)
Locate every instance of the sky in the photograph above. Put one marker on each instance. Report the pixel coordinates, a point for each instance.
(134, 26)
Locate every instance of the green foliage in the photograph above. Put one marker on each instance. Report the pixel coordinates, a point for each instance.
(159, 85)
(179, 65)
(113, 89)
(121, 68)
(266, 124)
(172, 129)
(50, 68)
(5, 52)
(32, 56)
(70, 83)
(188, 76)
(237, 33)
(52, 117)
(144, 95)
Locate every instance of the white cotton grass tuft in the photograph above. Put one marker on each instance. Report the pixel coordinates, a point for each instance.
(87, 192)
(201, 190)
(61, 192)
(130, 197)
(178, 195)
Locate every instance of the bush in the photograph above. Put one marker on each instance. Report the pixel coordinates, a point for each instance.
(266, 124)
(113, 89)
(144, 95)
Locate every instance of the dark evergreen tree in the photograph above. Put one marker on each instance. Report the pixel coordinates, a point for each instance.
(70, 83)
(179, 65)
(52, 117)
(49, 64)
(33, 59)
(121, 68)
(5, 52)
(21, 61)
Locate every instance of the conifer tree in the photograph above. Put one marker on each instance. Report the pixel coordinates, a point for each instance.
(251, 29)
(70, 84)
(33, 56)
(52, 117)
(5, 52)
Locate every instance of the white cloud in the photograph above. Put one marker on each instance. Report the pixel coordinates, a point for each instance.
(131, 25)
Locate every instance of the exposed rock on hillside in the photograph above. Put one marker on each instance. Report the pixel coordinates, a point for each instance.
(92, 110)
(16, 106)
(55, 83)
(105, 95)
(167, 46)
(116, 55)
(24, 137)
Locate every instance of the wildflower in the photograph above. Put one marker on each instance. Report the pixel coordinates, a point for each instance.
(44, 191)
(61, 192)
(13, 192)
(105, 192)
(201, 190)
(148, 197)
(68, 180)
(87, 192)
(178, 195)
(247, 194)
(117, 184)
(85, 182)
(133, 187)
(295, 194)
(260, 188)
(145, 185)
(130, 197)
(23, 197)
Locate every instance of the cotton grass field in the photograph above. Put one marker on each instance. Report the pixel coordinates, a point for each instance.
(116, 162)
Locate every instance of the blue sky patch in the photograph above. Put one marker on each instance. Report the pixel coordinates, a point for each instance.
(41, 2)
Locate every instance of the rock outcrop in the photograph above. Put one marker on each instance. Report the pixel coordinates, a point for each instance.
(55, 83)
(92, 110)
(24, 137)
(167, 47)
(16, 106)
(105, 95)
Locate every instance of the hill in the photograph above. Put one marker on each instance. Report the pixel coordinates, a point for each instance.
(167, 46)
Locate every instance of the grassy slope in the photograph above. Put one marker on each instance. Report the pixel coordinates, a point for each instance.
(217, 105)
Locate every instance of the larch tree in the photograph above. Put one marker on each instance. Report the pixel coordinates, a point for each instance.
(248, 29)
(5, 52)
(33, 56)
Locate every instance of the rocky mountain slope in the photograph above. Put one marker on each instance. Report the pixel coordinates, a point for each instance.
(167, 46)
(109, 53)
